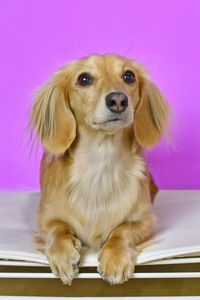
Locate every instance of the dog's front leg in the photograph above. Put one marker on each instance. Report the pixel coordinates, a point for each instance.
(62, 249)
(118, 255)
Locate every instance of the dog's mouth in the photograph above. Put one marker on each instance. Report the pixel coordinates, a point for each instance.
(113, 120)
(108, 121)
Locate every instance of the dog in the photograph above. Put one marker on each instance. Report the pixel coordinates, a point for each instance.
(94, 117)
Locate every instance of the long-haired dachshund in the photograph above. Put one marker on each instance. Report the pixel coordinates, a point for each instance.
(94, 117)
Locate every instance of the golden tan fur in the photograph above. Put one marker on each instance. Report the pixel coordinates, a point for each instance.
(95, 186)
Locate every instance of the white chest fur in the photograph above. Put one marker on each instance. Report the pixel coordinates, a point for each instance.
(103, 185)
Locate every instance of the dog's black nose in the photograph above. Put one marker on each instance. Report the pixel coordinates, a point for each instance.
(117, 102)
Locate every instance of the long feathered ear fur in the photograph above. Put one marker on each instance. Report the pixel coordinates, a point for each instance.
(51, 116)
(151, 114)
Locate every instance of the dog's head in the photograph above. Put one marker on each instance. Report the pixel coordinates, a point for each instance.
(105, 93)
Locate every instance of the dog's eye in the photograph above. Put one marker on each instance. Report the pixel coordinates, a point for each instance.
(129, 77)
(85, 79)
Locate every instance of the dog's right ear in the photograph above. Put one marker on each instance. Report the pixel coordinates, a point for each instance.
(51, 115)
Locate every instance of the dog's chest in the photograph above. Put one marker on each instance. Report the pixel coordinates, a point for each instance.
(102, 188)
(99, 173)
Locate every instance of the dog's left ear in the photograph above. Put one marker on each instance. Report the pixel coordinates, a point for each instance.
(151, 114)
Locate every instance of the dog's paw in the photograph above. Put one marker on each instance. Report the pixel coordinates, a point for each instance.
(64, 258)
(116, 266)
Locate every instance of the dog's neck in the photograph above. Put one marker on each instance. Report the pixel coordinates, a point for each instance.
(93, 139)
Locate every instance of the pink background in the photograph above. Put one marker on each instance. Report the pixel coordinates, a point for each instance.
(38, 36)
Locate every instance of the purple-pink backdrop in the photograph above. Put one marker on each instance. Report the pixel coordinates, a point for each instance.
(36, 37)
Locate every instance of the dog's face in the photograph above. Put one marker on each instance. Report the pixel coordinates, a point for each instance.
(106, 93)
(103, 92)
